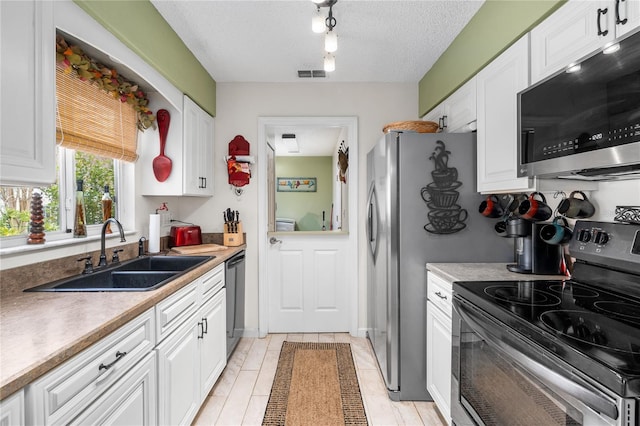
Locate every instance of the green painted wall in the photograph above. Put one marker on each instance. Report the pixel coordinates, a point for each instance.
(141, 27)
(306, 207)
(496, 25)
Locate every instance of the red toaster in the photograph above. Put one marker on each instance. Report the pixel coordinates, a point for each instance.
(185, 236)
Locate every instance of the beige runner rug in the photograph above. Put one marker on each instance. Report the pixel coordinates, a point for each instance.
(315, 384)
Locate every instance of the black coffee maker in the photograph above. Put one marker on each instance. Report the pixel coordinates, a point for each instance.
(522, 218)
(531, 254)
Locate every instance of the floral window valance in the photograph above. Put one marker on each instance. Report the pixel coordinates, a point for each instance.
(73, 60)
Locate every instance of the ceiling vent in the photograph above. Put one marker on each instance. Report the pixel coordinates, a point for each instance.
(312, 74)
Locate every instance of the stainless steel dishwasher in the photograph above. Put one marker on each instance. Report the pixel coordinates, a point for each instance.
(234, 281)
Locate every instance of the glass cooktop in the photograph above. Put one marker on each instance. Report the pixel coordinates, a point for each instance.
(593, 329)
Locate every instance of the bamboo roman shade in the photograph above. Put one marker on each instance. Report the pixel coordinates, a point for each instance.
(92, 120)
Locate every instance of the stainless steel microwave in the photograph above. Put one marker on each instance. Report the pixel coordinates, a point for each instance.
(584, 122)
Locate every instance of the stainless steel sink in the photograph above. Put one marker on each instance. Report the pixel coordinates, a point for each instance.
(141, 274)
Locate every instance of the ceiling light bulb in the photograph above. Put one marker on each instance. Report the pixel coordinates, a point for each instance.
(317, 22)
(331, 41)
(329, 62)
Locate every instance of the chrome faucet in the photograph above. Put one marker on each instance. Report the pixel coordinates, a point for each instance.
(103, 255)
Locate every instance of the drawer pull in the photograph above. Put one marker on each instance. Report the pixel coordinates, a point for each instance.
(119, 356)
(201, 332)
(441, 296)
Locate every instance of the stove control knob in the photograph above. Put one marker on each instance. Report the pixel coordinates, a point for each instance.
(601, 238)
(584, 236)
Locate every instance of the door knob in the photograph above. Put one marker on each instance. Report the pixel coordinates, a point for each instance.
(274, 240)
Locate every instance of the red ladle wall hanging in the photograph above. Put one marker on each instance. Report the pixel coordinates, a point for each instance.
(162, 163)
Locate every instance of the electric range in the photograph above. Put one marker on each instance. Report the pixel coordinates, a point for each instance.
(584, 331)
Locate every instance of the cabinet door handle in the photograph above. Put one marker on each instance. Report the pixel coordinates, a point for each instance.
(119, 356)
(444, 121)
(600, 13)
(206, 326)
(618, 20)
(441, 296)
(201, 332)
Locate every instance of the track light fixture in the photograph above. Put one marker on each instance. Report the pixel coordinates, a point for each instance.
(318, 25)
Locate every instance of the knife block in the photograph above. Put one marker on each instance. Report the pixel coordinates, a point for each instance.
(233, 239)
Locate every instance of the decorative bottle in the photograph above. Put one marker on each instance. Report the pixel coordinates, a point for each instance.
(107, 204)
(79, 223)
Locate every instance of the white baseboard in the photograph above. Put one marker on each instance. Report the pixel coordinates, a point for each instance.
(255, 332)
(362, 332)
(251, 332)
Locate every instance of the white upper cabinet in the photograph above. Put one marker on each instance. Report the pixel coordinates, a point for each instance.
(460, 108)
(27, 101)
(457, 113)
(497, 87)
(577, 29)
(198, 150)
(189, 145)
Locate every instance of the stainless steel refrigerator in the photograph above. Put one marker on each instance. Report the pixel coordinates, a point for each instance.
(422, 207)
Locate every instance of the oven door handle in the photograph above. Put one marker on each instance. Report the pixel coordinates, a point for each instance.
(574, 385)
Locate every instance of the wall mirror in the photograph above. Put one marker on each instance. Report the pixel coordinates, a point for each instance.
(309, 182)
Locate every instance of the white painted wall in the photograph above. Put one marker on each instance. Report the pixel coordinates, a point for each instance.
(240, 104)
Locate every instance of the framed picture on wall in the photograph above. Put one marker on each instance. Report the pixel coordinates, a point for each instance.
(297, 184)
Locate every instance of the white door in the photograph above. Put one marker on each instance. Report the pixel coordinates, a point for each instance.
(308, 284)
(308, 281)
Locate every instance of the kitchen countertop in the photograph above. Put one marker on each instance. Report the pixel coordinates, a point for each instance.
(483, 272)
(39, 331)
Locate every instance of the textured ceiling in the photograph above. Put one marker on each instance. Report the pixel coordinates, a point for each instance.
(269, 41)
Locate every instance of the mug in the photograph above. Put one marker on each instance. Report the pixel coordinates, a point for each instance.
(556, 233)
(514, 202)
(535, 210)
(490, 207)
(575, 207)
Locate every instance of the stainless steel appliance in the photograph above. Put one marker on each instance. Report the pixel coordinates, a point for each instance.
(584, 124)
(421, 187)
(553, 352)
(234, 282)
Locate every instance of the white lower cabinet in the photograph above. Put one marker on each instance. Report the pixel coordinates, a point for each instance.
(12, 410)
(192, 357)
(68, 391)
(132, 401)
(439, 343)
(178, 376)
(213, 345)
(144, 373)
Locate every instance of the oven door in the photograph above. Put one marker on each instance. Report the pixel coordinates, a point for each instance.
(499, 378)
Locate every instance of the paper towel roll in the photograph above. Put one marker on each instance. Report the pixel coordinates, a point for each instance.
(154, 233)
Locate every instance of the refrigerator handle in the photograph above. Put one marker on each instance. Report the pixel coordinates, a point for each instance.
(369, 221)
(370, 213)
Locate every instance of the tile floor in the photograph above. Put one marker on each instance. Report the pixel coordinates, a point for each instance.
(241, 394)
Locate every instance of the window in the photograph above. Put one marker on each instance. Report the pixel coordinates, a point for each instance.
(58, 199)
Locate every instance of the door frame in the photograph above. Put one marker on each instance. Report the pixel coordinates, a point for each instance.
(351, 123)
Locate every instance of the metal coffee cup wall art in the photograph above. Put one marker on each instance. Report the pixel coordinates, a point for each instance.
(441, 195)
